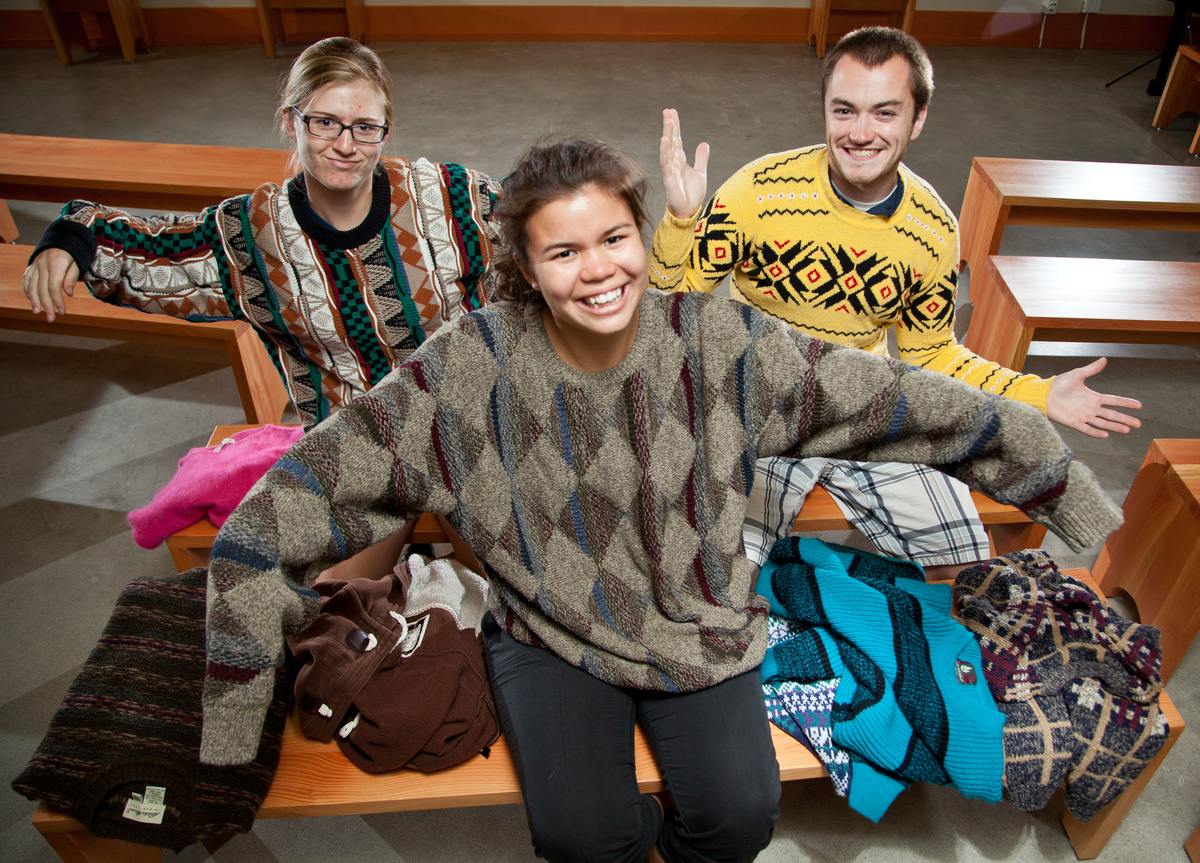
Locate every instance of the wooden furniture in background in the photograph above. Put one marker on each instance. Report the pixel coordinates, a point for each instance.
(168, 177)
(127, 19)
(1155, 556)
(818, 16)
(8, 228)
(1003, 192)
(272, 31)
(1182, 93)
(1192, 846)
(262, 392)
(1025, 299)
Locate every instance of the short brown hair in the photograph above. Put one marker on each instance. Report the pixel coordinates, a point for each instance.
(338, 60)
(548, 170)
(874, 46)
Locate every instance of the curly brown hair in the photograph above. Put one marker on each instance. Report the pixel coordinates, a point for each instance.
(550, 169)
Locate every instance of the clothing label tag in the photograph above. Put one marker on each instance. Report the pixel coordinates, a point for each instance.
(965, 672)
(147, 808)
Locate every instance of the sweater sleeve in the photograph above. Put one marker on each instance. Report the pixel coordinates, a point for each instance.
(349, 483)
(925, 338)
(850, 404)
(470, 202)
(696, 254)
(170, 265)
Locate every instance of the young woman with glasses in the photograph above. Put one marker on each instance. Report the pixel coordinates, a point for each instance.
(343, 270)
(594, 442)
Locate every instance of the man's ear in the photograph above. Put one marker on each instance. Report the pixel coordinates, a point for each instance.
(919, 123)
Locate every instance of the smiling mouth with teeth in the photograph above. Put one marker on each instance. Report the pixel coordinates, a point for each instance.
(604, 299)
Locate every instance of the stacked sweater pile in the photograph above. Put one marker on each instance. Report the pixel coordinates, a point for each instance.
(1077, 683)
(1032, 680)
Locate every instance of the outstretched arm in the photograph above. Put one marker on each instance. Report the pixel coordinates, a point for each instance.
(50, 275)
(1073, 404)
(685, 184)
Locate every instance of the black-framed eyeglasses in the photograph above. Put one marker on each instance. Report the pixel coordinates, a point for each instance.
(327, 127)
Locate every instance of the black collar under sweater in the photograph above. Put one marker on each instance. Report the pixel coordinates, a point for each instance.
(329, 236)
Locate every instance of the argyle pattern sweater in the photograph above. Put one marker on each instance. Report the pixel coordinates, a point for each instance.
(337, 310)
(798, 252)
(606, 508)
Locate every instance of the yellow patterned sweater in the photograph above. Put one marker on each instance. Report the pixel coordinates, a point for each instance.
(800, 253)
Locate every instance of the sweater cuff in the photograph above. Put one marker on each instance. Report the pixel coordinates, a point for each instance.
(673, 220)
(1034, 392)
(231, 734)
(73, 238)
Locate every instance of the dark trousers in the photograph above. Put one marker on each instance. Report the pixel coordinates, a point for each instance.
(571, 737)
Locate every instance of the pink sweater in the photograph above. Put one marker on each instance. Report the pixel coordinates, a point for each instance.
(211, 481)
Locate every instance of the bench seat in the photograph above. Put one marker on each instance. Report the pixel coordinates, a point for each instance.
(259, 386)
(315, 779)
(1003, 192)
(1025, 299)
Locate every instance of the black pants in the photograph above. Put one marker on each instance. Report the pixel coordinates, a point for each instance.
(571, 737)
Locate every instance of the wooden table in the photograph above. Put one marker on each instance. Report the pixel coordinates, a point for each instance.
(259, 386)
(1025, 299)
(1155, 556)
(1003, 192)
(178, 177)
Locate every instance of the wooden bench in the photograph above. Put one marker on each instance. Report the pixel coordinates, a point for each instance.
(1155, 556)
(1182, 93)
(316, 779)
(167, 177)
(902, 13)
(1007, 527)
(1025, 299)
(1002, 192)
(259, 386)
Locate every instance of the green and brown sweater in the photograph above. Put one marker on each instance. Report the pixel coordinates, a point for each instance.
(337, 310)
(607, 507)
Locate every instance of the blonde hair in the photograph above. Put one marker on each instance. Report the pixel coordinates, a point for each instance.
(337, 60)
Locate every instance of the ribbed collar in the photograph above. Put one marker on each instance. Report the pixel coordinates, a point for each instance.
(887, 207)
(329, 236)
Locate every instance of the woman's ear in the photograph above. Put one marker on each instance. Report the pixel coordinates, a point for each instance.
(528, 276)
(289, 123)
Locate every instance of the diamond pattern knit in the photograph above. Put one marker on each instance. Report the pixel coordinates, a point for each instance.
(605, 507)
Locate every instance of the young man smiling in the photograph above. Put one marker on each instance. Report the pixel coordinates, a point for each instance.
(842, 241)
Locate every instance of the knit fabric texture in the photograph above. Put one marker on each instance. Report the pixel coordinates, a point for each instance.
(1078, 684)
(131, 720)
(337, 310)
(795, 250)
(910, 706)
(210, 482)
(606, 508)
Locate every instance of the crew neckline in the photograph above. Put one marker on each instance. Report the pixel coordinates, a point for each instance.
(329, 236)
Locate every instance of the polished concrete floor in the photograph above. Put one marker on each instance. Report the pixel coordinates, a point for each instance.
(95, 427)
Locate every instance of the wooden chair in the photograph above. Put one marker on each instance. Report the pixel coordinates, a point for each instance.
(262, 392)
(818, 16)
(1192, 846)
(127, 18)
(272, 29)
(1003, 192)
(1182, 93)
(1023, 299)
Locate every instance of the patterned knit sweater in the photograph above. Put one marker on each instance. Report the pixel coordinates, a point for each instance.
(800, 253)
(606, 507)
(337, 310)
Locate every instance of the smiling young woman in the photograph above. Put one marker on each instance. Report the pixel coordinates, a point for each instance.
(343, 271)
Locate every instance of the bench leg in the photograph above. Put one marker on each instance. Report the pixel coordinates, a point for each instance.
(1192, 846)
(8, 227)
(996, 332)
(1089, 839)
(86, 848)
(1155, 557)
(980, 226)
(266, 23)
(1007, 538)
(263, 394)
(1182, 92)
(60, 44)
